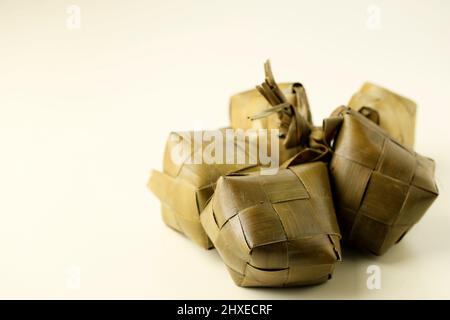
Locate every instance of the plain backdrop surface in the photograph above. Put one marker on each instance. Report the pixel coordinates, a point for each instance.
(85, 112)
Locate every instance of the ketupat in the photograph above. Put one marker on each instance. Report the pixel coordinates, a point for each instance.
(381, 188)
(278, 230)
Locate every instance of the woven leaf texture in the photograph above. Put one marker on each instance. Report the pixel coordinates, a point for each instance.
(277, 230)
(397, 114)
(381, 188)
(184, 188)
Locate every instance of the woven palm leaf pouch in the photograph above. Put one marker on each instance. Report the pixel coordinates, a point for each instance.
(278, 230)
(381, 188)
(275, 230)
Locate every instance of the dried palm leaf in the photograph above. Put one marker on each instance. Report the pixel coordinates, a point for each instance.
(184, 186)
(381, 188)
(274, 106)
(397, 114)
(277, 230)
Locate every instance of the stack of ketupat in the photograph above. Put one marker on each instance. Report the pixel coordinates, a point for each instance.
(273, 194)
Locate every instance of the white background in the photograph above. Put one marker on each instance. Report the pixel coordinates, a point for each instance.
(84, 115)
